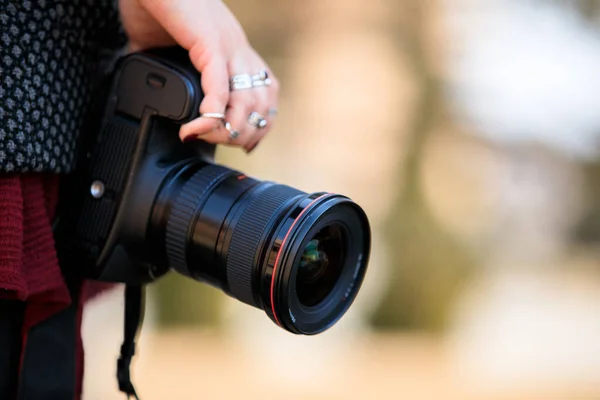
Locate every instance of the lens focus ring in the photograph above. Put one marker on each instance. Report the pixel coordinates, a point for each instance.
(193, 193)
(246, 237)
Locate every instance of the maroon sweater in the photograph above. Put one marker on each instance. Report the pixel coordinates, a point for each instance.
(29, 269)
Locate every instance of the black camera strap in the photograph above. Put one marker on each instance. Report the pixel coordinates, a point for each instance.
(134, 318)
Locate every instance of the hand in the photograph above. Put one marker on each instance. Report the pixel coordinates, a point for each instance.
(219, 49)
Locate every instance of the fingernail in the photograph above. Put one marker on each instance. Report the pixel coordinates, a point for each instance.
(251, 148)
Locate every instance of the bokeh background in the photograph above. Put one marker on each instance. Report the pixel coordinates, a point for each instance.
(468, 130)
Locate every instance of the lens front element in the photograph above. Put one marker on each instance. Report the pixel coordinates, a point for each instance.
(321, 265)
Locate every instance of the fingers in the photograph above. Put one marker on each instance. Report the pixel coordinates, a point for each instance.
(237, 105)
(268, 112)
(244, 102)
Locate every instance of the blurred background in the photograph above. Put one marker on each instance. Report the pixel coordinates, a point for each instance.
(469, 131)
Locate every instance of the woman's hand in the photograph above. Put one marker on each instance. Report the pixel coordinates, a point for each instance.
(219, 49)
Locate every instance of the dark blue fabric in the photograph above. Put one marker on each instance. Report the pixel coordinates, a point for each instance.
(49, 365)
(11, 320)
(50, 54)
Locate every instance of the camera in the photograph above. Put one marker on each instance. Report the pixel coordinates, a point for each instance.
(142, 203)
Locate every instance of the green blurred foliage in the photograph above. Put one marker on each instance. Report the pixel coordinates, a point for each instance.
(184, 302)
(587, 231)
(429, 268)
(589, 8)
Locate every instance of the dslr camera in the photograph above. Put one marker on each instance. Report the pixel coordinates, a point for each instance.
(142, 203)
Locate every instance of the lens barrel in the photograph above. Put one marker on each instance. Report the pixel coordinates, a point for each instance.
(300, 257)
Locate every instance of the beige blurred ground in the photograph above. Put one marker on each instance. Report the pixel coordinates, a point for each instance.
(204, 365)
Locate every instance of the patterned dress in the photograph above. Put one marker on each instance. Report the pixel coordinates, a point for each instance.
(51, 53)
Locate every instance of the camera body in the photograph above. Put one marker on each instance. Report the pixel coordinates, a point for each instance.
(103, 230)
(142, 203)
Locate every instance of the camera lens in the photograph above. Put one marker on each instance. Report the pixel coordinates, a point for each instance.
(320, 265)
(298, 256)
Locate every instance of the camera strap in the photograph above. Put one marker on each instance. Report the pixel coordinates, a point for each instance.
(134, 318)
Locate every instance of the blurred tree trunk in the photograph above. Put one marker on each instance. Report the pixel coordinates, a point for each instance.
(428, 265)
(588, 231)
(589, 8)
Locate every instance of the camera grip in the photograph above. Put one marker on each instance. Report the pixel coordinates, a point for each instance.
(132, 147)
(108, 173)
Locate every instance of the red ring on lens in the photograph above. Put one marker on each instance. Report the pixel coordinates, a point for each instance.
(283, 242)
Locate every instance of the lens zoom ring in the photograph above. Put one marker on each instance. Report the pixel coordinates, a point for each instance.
(192, 194)
(246, 238)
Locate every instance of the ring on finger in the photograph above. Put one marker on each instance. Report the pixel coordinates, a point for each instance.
(259, 83)
(240, 82)
(261, 79)
(213, 115)
(257, 120)
(247, 81)
(263, 75)
(233, 134)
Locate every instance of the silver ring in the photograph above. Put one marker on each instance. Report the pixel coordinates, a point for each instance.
(259, 83)
(263, 75)
(240, 82)
(213, 115)
(257, 120)
(261, 79)
(247, 81)
(233, 134)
